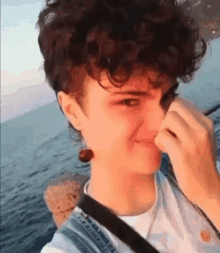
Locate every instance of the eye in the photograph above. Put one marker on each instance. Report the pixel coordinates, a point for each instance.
(136, 102)
(127, 103)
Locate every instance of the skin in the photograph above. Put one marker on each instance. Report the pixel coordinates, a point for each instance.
(122, 170)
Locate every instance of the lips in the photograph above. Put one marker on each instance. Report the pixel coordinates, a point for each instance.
(146, 142)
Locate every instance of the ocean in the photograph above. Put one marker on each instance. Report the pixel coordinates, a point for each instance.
(36, 148)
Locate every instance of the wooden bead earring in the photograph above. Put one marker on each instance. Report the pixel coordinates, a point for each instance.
(85, 155)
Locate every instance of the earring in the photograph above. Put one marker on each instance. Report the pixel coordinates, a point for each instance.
(85, 155)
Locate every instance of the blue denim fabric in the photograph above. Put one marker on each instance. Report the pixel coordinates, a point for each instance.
(86, 235)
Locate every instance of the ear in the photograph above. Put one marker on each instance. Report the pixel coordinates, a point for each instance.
(70, 108)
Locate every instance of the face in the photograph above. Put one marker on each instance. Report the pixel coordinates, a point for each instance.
(116, 122)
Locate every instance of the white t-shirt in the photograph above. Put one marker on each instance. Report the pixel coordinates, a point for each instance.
(177, 226)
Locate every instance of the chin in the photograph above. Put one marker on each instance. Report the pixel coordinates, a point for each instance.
(148, 164)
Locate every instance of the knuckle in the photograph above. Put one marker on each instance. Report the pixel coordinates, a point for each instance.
(211, 123)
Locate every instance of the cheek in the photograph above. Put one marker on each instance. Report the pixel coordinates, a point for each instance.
(120, 129)
(110, 130)
(108, 126)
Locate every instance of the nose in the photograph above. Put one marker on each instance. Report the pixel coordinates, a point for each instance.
(151, 119)
(156, 116)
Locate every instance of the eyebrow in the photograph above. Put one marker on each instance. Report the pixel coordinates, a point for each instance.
(145, 93)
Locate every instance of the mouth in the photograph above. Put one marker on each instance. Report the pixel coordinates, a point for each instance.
(146, 142)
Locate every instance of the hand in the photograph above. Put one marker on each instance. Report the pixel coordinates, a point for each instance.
(188, 137)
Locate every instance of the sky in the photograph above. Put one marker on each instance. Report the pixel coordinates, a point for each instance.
(23, 85)
(20, 54)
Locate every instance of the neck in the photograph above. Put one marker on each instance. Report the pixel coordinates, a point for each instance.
(125, 194)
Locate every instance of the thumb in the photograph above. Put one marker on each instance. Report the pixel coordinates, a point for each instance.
(158, 143)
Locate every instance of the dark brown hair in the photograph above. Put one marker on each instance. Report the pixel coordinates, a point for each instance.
(113, 35)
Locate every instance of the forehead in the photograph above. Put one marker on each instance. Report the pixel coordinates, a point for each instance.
(142, 78)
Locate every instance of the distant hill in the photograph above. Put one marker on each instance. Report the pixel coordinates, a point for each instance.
(25, 99)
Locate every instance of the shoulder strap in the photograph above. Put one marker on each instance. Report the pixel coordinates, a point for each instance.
(115, 225)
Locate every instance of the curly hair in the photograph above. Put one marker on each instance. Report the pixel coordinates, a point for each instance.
(111, 35)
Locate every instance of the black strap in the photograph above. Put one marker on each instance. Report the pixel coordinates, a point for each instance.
(115, 225)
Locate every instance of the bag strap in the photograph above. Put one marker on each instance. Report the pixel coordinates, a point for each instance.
(115, 225)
